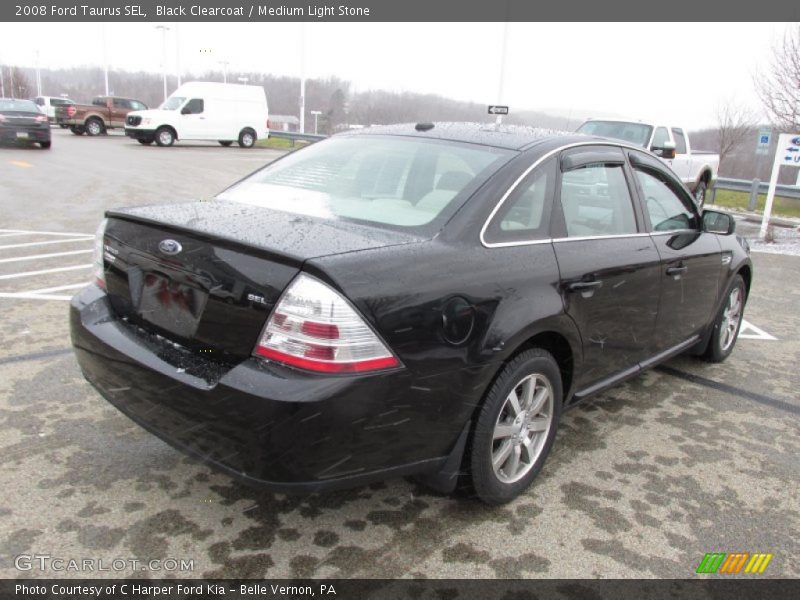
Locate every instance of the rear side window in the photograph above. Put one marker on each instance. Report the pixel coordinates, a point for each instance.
(525, 215)
(99, 101)
(664, 207)
(680, 141)
(193, 107)
(393, 181)
(596, 201)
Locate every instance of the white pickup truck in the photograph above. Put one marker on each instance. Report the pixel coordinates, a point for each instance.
(697, 169)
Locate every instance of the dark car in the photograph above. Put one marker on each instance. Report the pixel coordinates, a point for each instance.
(22, 121)
(408, 300)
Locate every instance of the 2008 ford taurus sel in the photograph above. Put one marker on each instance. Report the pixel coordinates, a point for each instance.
(407, 300)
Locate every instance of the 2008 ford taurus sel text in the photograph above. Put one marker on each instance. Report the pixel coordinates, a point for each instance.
(404, 300)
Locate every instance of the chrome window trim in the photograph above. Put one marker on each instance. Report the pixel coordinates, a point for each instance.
(600, 237)
(525, 173)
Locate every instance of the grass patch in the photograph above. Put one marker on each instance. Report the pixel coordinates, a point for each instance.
(281, 144)
(781, 207)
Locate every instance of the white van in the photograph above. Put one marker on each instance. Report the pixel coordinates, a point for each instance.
(201, 110)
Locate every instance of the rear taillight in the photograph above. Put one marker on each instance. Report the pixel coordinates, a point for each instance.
(41, 119)
(2, 119)
(98, 269)
(71, 111)
(313, 327)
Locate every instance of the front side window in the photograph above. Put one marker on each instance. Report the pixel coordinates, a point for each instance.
(525, 215)
(120, 103)
(39, 101)
(193, 107)
(391, 181)
(665, 208)
(173, 103)
(680, 141)
(596, 201)
(136, 105)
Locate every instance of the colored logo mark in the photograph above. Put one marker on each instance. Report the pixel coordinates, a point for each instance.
(734, 563)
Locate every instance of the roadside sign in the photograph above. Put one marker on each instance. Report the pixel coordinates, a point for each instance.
(498, 110)
(764, 139)
(787, 155)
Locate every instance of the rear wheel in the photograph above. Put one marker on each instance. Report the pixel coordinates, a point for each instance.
(516, 427)
(146, 141)
(63, 126)
(165, 136)
(76, 129)
(225, 143)
(94, 126)
(247, 138)
(727, 323)
(45, 145)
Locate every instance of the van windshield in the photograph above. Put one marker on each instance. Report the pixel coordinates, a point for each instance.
(173, 103)
(400, 183)
(635, 133)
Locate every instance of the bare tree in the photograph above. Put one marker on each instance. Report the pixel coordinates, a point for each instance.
(779, 86)
(20, 88)
(735, 123)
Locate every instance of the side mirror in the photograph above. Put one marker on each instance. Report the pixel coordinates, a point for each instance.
(666, 150)
(715, 221)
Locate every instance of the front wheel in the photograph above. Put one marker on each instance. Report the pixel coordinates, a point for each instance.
(165, 136)
(516, 427)
(727, 323)
(247, 138)
(94, 127)
(76, 129)
(700, 193)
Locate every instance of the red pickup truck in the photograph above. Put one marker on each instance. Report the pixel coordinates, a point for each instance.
(105, 112)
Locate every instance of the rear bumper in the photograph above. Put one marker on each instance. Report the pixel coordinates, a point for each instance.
(25, 134)
(140, 134)
(262, 423)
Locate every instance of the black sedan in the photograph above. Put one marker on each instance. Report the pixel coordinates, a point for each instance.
(22, 121)
(408, 300)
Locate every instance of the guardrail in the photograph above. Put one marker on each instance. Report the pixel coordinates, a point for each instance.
(296, 136)
(754, 186)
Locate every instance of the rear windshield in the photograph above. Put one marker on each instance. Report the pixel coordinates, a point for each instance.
(396, 182)
(635, 133)
(18, 105)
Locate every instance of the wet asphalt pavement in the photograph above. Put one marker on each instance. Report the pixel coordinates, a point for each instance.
(642, 482)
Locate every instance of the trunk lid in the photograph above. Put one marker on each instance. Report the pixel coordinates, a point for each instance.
(207, 274)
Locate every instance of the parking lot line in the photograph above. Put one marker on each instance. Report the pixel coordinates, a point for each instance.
(45, 271)
(59, 288)
(40, 256)
(30, 232)
(29, 244)
(29, 296)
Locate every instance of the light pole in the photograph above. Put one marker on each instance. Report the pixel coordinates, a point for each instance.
(105, 54)
(316, 114)
(302, 77)
(177, 54)
(224, 64)
(501, 82)
(38, 76)
(164, 29)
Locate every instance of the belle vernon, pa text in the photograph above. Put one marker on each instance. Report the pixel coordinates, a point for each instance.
(156, 590)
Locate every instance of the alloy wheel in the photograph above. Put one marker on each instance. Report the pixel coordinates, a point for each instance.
(731, 319)
(522, 428)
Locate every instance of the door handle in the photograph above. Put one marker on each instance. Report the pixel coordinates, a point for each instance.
(677, 270)
(582, 286)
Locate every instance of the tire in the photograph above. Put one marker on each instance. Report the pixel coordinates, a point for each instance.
(165, 136)
(76, 129)
(247, 138)
(45, 145)
(225, 143)
(725, 331)
(700, 193)
(63, 126)
(498, 443)
(145, 142)
(94, 127)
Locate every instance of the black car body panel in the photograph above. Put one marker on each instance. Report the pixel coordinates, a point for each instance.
(453, 307)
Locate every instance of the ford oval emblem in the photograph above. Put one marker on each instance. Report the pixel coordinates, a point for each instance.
(169, 247)
(796, 141)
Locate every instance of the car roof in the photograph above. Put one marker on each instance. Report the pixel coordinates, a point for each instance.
(513, 137)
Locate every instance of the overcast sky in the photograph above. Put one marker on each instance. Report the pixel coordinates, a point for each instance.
(671, 71)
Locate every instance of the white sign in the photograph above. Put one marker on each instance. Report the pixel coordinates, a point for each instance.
(787, 155)
(764, 139)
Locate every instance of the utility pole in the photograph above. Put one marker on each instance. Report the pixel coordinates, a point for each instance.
(178, 54)
(501, 83)
(224, 64)
(302, 77)
(164, 30)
